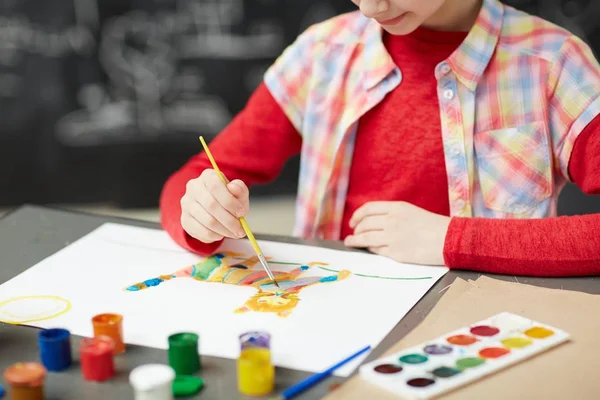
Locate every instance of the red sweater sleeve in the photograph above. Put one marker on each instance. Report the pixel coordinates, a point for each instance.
(560, 246)
(240, 152)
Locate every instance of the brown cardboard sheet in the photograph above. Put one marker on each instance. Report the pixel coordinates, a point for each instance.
(569, 371)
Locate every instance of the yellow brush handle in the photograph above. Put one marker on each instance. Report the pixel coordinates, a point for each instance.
(212, 161)
(224, 179)
(253, 241)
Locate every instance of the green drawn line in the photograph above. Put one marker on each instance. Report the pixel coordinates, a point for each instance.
(284, 263)
(423, 278)
(381, 277)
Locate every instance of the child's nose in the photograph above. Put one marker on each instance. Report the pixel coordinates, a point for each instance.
(372, 8)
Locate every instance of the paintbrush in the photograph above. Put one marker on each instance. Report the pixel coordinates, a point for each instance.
(312, 380)
(249, 234)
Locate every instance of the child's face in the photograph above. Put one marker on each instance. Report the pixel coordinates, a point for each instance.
(399, 17)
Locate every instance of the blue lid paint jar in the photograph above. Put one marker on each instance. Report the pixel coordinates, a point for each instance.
(55, 349)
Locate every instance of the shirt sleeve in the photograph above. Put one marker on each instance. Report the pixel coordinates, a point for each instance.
(549, 247)
(289, 77)
(241, 154)
(574, 90)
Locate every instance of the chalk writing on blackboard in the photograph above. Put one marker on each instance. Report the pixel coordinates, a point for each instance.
(156, 82)
(21, 37)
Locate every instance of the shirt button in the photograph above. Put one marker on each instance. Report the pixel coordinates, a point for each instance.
(445, 69)
(455, 152)
(448, 94)
(460, 204)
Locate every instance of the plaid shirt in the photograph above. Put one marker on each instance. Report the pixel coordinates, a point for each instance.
(513, 98)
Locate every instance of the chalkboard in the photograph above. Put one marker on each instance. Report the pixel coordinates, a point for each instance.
(103, 99)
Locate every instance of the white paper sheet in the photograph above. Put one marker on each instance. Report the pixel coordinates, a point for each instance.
(331, 321)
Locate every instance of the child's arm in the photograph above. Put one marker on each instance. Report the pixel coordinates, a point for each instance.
(254, 147)
(563, 246)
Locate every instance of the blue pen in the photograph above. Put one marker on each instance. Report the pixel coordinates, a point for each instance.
(316, 378)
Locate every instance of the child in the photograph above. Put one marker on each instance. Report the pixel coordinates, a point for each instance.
(431, 132)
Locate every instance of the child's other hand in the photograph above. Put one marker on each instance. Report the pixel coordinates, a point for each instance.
(400, 231)
(210, 209)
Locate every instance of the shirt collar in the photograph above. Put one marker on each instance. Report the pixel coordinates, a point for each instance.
(468, 62)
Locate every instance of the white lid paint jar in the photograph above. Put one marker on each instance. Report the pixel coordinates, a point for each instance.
(152, 382)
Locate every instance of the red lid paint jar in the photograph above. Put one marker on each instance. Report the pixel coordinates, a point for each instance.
(97, 359)
(26, 381)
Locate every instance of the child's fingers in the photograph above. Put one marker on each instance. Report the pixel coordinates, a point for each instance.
(197, 230)
(219, 214)
(222, 194)
(371, 223)
(239, 189)
(210, 221)
(192, 206)
(370, 208)
(366, 239)
(381, 250)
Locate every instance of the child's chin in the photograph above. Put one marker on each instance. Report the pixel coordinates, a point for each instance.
(403, 28)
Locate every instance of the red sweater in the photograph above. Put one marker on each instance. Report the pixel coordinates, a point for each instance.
(410, 167)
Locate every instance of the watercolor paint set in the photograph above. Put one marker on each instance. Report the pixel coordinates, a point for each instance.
(461, 356)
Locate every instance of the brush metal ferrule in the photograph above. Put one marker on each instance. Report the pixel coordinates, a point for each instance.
(263, 262)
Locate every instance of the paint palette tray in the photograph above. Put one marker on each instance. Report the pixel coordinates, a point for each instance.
(461, 356)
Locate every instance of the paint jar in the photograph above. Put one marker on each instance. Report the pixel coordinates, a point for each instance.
(26, 381)
(183, 353)
(256, 373)
(152, 382)
(110, 325)
(97, 358)
(55, 349)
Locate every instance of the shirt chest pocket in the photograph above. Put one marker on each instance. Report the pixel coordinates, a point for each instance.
(514, 168)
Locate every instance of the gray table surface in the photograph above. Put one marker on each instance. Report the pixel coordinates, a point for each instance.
(31, 233)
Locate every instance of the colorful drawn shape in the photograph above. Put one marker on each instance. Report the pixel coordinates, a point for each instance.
(223, 268)
(27, 309)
